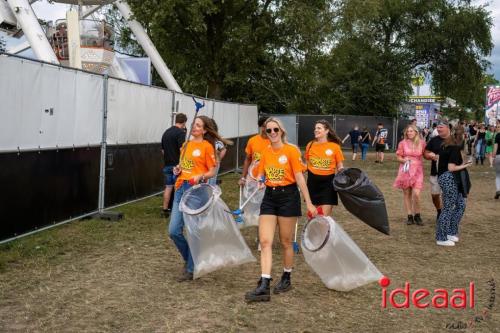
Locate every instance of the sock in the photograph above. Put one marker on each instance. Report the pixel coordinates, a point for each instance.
(265, 276)
(287, 270)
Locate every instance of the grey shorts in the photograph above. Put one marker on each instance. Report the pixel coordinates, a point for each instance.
(435, 188)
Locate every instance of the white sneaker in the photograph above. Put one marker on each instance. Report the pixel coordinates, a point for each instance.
(452, 238)
(445, 243)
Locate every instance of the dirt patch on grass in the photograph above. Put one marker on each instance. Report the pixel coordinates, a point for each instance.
(96, 276)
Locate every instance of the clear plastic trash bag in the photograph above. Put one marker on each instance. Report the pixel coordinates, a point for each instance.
(335, 257)
(213, 237)
(251, 211)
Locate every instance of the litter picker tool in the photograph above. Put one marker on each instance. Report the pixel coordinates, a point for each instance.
(239, 212)
(198, 106)
(295, 244)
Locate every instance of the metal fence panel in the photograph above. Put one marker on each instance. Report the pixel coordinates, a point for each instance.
(345, 123)
(306, 127)
(290, 123)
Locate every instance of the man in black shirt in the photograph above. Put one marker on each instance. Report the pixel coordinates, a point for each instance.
(472, 131)
(432, 153)
(171, 143)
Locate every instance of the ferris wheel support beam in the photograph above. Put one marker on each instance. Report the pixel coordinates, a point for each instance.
(89, 10)
(148, 46)
(28, 21)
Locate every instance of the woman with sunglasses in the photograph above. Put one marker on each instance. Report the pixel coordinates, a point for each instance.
(324, 157)
(281, 167)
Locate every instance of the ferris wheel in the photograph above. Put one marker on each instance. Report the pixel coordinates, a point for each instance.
(77, 41)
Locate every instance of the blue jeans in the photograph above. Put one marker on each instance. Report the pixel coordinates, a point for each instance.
(480, 149)
(168, 172)
(213, 180)
(364, 150)
(176, 228)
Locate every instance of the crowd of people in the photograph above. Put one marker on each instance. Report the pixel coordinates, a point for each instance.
(280, 169)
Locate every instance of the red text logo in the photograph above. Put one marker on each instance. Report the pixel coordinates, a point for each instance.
(459, 298)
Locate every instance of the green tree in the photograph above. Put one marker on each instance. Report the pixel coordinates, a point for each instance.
(446, 39)
(320, 56)
(225, 47)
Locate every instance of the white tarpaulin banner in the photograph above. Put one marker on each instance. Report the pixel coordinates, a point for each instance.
(226, 116)
(185, 104)
(44, 106)
(137, 113)
(248, 120)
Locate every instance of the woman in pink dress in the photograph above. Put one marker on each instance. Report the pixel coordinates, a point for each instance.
(411, 173)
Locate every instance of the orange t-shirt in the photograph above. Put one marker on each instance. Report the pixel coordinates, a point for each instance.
(256, 144)
(280, 166)
(198, 159)
(322, 158)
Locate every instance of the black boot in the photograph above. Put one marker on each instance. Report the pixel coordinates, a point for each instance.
(410, 220)
(418, 219)
(482, 160)
(262, 293)
(284, 284)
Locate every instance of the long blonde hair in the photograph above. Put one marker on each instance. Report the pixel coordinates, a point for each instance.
(416, 139)
(284, 136)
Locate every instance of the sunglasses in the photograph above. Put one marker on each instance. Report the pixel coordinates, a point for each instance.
(275, 129)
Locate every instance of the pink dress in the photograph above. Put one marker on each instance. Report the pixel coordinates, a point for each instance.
(414, 176)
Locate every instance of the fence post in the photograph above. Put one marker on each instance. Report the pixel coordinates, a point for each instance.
(172, 117)
(102, 166)
(395, 133)
(297, 120)
(238, 143)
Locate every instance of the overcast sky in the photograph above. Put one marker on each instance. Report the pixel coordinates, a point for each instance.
(47, 11)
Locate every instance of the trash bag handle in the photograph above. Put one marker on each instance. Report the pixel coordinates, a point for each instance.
(322, 245)
(214, 197)
(320, 212)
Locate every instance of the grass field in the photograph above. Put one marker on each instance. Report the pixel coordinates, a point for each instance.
(97, 276)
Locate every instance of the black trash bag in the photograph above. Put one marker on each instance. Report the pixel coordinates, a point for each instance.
(362, 198)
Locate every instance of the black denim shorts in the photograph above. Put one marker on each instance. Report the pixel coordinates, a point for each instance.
(281, 201)
(321, 189)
